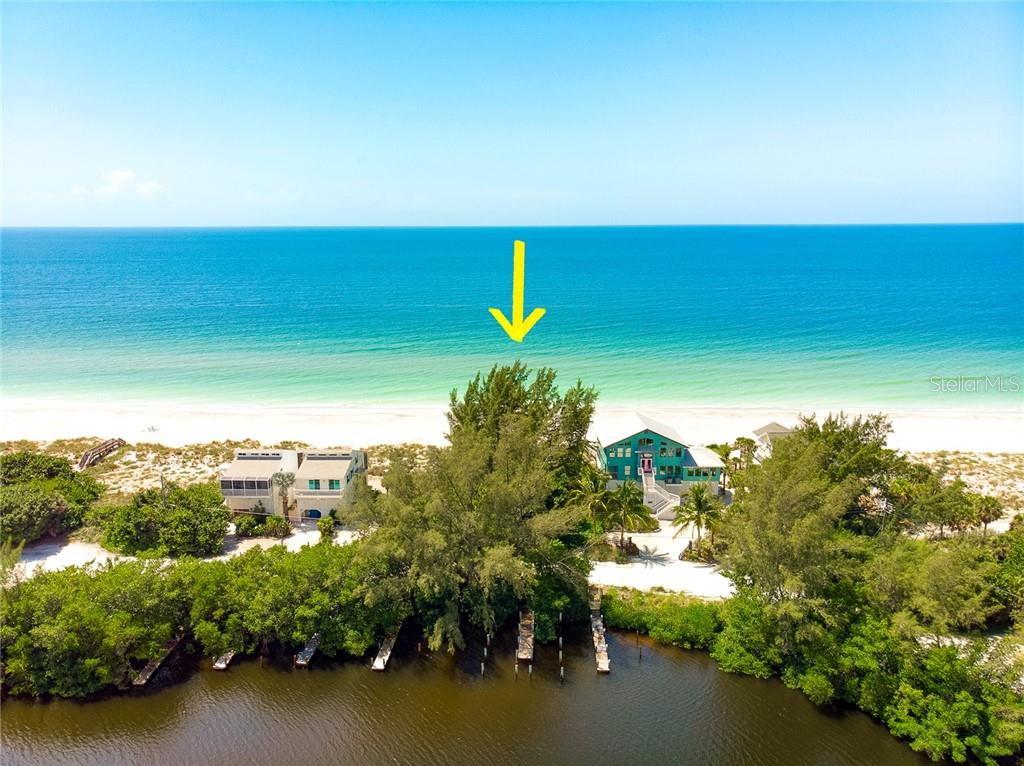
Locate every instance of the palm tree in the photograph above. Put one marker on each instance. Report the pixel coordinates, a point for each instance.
(590, 493)
(283, 480)
(747, 448)
(723, 451)
(702, 509)
(626, 510)
(987, 509)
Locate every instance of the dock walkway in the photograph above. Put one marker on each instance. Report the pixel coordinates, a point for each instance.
(100, 451)
(597, 628)
(302, 658)
(223, 661)
(524, 648)
(381, 660)
(143, 676)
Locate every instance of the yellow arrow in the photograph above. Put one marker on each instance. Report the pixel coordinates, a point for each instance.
(518, 327)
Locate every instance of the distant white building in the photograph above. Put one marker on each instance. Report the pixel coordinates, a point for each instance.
(766, 436)
(321, 480)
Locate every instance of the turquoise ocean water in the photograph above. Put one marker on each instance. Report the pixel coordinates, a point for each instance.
(905, 316)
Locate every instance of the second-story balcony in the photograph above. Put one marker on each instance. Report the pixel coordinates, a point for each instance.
(251, 487)
(318, 492)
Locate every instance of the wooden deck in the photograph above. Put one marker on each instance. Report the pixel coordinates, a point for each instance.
(597, 628)
(524, 648)
(223, 661)
(381, 660)
(302, 658)
(100, 451)
(143, 676)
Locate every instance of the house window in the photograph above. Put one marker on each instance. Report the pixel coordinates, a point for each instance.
(620, 451)
(689, 472)
(628, 470)
(334, 483)
(629, 451)
(314, 483)
(679, 451)
(663, 452)
(645, 442)
(614, 472)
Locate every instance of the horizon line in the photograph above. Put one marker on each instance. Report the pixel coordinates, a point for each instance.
(515, 226)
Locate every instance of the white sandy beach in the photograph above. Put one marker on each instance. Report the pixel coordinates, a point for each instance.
(175, 424)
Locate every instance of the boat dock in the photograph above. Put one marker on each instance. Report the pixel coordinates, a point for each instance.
(524, 648)
(597, 628)
(381, 660)
(143, 676)
(97, 453)
(302, 658)
(223, 661)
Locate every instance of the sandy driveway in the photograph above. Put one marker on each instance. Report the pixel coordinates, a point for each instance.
(658, 566)
(60, 553)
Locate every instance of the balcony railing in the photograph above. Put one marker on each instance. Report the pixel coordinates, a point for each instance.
(244, 492)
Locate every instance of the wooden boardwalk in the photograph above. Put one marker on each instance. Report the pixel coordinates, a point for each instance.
(143, 676)
(223, 661)
(302, 658)
(597, 628)
(524, 647)
(381, 660)
(100, 451)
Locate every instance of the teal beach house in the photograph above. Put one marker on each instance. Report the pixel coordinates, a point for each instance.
(656, 456)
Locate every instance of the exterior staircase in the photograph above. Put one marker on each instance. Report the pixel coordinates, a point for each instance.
(661, 502)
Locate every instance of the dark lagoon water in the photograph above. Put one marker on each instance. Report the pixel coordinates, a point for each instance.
(659, 705)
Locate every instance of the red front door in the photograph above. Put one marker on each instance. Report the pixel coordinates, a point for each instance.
(646, 464)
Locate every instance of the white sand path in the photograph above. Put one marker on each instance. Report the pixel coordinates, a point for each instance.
(658, 566)
(55, 554)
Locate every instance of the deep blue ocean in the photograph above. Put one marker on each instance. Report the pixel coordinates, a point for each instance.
(781, 315)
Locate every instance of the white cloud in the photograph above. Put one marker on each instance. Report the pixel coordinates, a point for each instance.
(119, 183)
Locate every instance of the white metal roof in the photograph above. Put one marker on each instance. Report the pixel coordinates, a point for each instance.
(249, 464)
(640, 422)
(702, 457)
(325, 464)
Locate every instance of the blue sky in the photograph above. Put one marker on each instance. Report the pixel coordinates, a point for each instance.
(451, 114)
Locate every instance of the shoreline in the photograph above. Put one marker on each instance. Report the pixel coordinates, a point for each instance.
(324, 425)
(174, 424)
